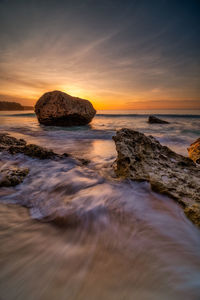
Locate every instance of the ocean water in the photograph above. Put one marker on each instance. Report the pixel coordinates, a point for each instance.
(119, 240)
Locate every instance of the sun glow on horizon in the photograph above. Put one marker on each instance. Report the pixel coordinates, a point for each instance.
(100, 101)
(115, 65)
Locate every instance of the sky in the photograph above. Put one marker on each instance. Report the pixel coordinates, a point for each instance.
(138, 54)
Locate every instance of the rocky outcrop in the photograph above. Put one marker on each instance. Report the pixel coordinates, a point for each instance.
(60, 109)
(143, 158)
(11, 176)
(7, 141)
(14, 146)
(194, 151)
(155, 120)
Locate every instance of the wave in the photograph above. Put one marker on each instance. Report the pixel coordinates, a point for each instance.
(120, 115)
(146, 115)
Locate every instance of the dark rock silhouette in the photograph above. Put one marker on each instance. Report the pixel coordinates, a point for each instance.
(4, 105)
(10, 106)
(155, 120)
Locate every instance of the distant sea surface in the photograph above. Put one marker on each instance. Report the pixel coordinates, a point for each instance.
(132, 243)
(183, 129)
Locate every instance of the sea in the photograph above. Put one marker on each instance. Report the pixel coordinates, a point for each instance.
(129, 243)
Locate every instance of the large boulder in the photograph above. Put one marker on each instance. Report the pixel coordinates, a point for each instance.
(155, 120)
(143, 158)
(60, 109)
(194, 151)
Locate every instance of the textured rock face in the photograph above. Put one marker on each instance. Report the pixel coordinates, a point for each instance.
(155, 120)
(142, 157)
(60, 109)
(12, 176)
(7, 142)
(14, 146)
(194, 151)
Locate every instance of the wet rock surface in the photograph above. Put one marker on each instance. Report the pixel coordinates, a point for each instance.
(64, 219)
(194, 151)
(12, 175)
(155, 120)
(60, 109)
(14, 146)
(143, 158)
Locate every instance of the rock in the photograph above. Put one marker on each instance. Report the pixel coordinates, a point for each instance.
(7, 141)
(84, 161)
(155, 120)
(193, 213)
(69, 218)
(194, 151)
(14, 146)
(143, 158)
(34, 151)
(11, 176)
(60, 109)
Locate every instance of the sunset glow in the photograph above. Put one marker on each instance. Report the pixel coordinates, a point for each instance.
(132, 60)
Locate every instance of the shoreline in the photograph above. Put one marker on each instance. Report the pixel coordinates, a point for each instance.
(192, 210)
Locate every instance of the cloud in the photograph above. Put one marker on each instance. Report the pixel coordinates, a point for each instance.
(107, 50)
(164, 104)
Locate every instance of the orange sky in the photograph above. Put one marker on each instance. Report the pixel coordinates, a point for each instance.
(28, 80)
(101, 99)
(117, 55)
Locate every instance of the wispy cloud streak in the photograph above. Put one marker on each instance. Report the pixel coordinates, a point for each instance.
(108, 51)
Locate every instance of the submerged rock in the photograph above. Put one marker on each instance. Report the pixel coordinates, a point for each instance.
(11, 176)
(7, 141)
(155, 120)
(33, 151)
(69, 218)
(14, 146)
(143, 158)
(194, 151)
(60, 109)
